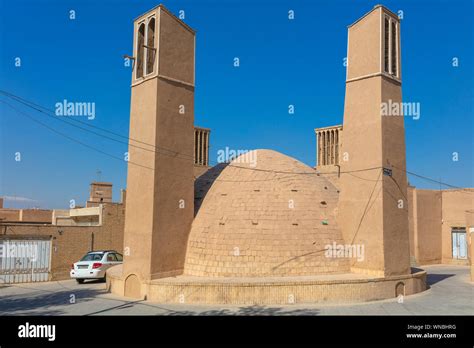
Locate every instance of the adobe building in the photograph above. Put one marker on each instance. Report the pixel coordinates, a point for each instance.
(439, 221)
(440, 226)
(264, 228)
(260, 232)
(100, 192)
(59, 237)
(33, 216)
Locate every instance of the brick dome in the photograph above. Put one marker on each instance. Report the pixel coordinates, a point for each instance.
(258, 218)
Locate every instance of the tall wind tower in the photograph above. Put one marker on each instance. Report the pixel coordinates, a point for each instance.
(373, 209)
(160, 189)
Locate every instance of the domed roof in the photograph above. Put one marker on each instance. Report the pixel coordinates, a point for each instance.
(264, 214)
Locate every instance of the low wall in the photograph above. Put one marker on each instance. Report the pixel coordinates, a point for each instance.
(264, 292)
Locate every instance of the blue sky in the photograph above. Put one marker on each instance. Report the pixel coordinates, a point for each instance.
(282, 62)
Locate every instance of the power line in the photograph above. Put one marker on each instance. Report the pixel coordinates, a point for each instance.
(366, 209)
(49, 113)
(434, 181)
(31, 104)
(116, 157)
(399, 188)
(358, 177)
(52, 115)
(70, 138)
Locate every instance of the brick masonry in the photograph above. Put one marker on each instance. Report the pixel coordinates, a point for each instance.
(345, 288)
(70, 243)
(263, 220)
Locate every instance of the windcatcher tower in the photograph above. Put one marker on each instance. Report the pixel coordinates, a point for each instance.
(373, 206)
(160, 182)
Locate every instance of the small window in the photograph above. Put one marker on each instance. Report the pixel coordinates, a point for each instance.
(111, 257)
(119, 257)
(150, 42)
(140, 49)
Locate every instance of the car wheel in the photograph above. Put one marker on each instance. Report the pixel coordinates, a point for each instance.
(105, 278)
(80, 281)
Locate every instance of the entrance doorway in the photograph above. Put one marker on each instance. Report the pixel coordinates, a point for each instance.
(459, 243)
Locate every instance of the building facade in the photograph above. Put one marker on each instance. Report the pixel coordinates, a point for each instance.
(59, 237)
(439, 221)
(244, 232)
(248, 221)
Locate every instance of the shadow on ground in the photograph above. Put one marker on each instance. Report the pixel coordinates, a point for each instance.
(248, 311)
(42, 302)
(433, 278)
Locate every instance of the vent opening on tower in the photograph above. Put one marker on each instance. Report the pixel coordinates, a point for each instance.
(390, 49)
(394, 49)
(386, 44)
(140, 49)
(150, 61)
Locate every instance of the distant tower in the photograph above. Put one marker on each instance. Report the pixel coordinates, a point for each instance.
(372, 140)
(100, 192)
(160, 198)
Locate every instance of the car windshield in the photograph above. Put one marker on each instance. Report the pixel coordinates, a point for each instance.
(93, 257)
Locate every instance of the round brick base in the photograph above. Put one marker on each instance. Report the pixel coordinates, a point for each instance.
(347, 287)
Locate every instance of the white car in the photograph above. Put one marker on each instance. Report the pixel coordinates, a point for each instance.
(94, 265)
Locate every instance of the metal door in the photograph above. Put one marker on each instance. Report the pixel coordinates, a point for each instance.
(25, 260)
(459, 245)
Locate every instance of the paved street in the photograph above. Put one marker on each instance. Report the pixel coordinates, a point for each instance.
(450, 293)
